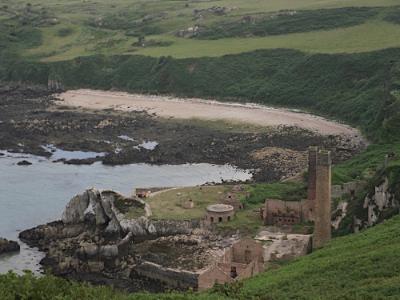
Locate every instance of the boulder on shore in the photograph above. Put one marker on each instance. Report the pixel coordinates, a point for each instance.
(24, 163)
(7, 246)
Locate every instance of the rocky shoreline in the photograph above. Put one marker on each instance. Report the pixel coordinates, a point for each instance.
(29, 120)
(97, 240)
(7, 246)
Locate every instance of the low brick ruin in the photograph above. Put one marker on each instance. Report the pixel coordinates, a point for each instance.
(242, 259)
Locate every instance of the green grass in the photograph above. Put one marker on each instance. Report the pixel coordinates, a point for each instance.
(246, 221)
(291, 191)
(365, 165)
(168, 204)
(112, 28)
(359, 266)
(380, 34)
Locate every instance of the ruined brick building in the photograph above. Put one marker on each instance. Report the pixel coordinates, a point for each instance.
(242, 260)
(317, 206)
(233, 200)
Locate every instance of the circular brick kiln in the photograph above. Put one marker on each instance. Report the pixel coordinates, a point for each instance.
(217, 213)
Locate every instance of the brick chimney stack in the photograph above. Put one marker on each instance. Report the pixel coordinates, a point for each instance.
(322, 203)
(312, 172)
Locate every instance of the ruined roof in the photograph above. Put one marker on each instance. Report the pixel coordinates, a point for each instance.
(219, 208)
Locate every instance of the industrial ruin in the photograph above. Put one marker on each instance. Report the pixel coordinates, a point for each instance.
(115, 236)
(217, 213)
(317, 206)
(241, 259)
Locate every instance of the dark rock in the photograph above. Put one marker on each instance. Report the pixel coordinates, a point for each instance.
(7, 246)
(24, 163)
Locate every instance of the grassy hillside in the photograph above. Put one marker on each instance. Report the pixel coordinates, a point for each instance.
(359, 266)
(68, 29)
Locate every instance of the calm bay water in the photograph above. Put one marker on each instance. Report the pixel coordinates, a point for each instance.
(36, 194)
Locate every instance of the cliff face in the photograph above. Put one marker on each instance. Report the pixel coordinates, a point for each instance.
(370, 203)
(380, 204)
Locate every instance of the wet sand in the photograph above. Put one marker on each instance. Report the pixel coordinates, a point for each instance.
(165, 106)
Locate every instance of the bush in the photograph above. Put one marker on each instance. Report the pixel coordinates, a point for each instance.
(66, 31)
(290, 22)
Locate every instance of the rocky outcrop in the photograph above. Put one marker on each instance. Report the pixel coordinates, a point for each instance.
(7, 246)
(339, 214)
(380, 204)
(95, 239)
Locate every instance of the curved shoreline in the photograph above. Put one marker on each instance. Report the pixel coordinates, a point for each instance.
(165, 106)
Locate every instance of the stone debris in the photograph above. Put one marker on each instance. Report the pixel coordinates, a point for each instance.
(280, 246)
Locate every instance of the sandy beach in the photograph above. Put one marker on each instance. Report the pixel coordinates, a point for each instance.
(165, 106)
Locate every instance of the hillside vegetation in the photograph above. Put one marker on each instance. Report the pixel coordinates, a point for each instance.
(361, 89)
(339, 59)
(62, 30)
(290, 21)
(359, 266)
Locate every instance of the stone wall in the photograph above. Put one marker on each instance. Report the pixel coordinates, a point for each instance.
(175, 278)
(247, 250)
(280, 212)
(208, 278)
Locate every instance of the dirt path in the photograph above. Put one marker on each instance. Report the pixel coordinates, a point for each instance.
(202, 109)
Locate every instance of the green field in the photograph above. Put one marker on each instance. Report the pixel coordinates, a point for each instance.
(70, 29)
(169, 204)
(346, 40)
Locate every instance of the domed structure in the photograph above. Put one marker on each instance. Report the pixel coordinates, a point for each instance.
(217, 213)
